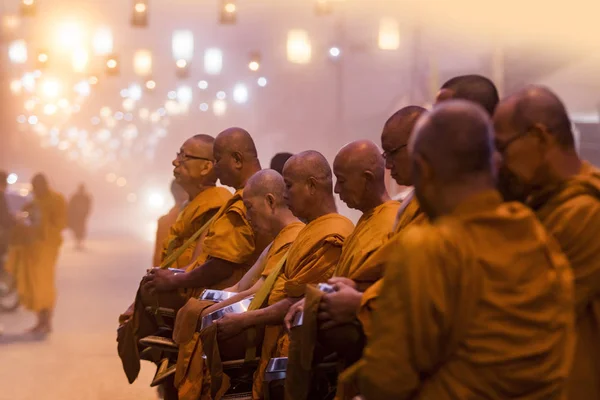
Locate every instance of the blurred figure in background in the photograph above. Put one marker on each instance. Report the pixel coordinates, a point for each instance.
(181, 198)
(6, 218)
(80, 207)
(278, 161)
(33, 258)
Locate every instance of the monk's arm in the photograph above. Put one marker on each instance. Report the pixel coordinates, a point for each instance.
(234, 299)
(251, 277)
(272, 315)
(210, 273)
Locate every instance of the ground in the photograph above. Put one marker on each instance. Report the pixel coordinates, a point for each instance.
(79, 359)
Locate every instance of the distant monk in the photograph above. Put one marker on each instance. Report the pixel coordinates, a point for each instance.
(181, 197)
(509, 331)
(80, 206)
(533, 133)
(279, 160)
(474, 88)
(360, 171)
(33, 261)
(311, 259)
(194, 171)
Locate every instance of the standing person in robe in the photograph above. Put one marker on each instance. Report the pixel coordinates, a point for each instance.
(180, 197)
(311, 259)
(279, 160)
(270, 217)
(194, 172)
(534, 136)
(509, 331)
(359, 168)
(79, 208)
(34, 261)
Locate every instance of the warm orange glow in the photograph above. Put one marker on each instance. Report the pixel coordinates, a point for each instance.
(150, 85)
(43, 57)
(181, 63)
(230, 8)
(254, 65)
(112, 63)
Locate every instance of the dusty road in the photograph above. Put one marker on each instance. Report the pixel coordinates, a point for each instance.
(78, 360)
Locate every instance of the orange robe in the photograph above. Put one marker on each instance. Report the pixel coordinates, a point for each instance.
(372, 231)
(34, 263)
(197, 212)
(477, 304)
(571, 213)
(192, 377)
(312, 259)
(409, 213)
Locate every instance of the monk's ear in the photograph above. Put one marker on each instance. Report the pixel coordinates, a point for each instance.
(238, 158)
(270, 199)
(443, 95)
(541, 132)
(369, 176)
(207, 169)
(312, 184)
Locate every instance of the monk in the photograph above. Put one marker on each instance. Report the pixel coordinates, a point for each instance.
(269, 216)
(474, 88)
(33, 259)
(534, 135)
(194, 171)
(311, 259)
(509, 331)
(180, 197)
(360, 171)
(342, 307)
(79, 208)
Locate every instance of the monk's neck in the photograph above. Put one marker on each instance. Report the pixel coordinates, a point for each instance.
(247, 174)
(454, 195)
(320, 208)
(284, 218)
(563, 166)
(374, 202)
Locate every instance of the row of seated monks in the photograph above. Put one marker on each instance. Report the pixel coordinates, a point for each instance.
(483, 283)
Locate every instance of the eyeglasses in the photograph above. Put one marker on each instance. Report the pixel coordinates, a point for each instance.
(502, 147)
(388, 154)
(181, 156)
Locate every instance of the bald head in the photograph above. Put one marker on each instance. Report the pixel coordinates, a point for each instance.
(310, 165)
(39, 184)
(309, 185)
(265, 182)
(360, 171)
(237, 140)
(456, 140)
(475, 88)
(235, 157)
(279, 160)
(394, 139)
(539, 105)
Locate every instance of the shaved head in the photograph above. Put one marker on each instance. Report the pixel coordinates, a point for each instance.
(475, 88)
(310, 165)
(193, 166)
(539, 105)
(267, 181)
(452, 156)
(360, 171)
(237, 140)
(236, 159)
(456, 139)
(309, 185)
(394, 139)
(279, 160)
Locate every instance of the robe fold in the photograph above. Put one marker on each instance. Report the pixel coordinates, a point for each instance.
(33, 262)
(195, 215)
(163, 228)
(570, 212)
(191, 218)
(312, 259)
(478, 304)
(371, 232)
(193, 379)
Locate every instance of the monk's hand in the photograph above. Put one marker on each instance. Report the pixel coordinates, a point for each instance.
(340, 307)
(230, 325)
(345, 281)
(159, 280)
(291, 314)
